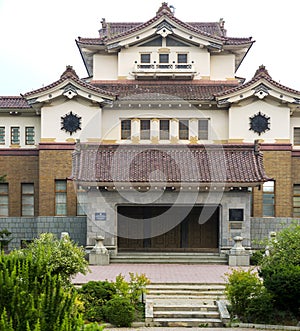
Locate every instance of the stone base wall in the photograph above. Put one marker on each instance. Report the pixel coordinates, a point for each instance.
(262, 226)
(26, 228)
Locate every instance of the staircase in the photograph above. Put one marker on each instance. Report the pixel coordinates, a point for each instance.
(176, 258)
(185, 305)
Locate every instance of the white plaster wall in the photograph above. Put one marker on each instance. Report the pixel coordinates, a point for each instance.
(9, 121)
(105, 67)
(222, 67)
(239, 121)
(128, 56)
(218, 120)
(90, 120)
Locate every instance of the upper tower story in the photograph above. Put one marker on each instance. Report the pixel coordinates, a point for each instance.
(163, 48)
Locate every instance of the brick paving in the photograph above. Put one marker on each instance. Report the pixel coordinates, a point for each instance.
(159, 273)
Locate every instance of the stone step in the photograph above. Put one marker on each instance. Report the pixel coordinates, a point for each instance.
(188, 307)
(187, 322)
(175, 258)
(186, 314)
(189, 286)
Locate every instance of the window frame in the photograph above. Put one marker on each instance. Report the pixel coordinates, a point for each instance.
(163, 131)
(4, 193)
(203, 133)
(268, 195)
(145, 58)
(179, 59)
(27, 194)
(296, 196)
(125, 130)
(14, 130)
(29, 136)
(297, 136)
(2, 135)
(145, 129)
(61, 193)
(183, 133)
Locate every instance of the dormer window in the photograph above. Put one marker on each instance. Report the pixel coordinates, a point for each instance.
(145, 129)
(145, 58)
(182, 58)
(163, 61)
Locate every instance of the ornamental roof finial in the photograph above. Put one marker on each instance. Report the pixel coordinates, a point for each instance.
(165, 8)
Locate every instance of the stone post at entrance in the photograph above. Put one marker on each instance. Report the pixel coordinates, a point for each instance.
(238, 256)
(99, 254)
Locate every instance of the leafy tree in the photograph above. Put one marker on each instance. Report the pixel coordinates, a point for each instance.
(60, 257)
(280, 269)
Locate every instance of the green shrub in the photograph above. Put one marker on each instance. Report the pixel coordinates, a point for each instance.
(283, 281)
(257, 257)
(134, 289)
(95, 294)
(260, 308)
(119, 312)
(241, 287)
(94, 327)
(32, 303)
(63, 257)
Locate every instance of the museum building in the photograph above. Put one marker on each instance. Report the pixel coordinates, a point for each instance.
(162, 148)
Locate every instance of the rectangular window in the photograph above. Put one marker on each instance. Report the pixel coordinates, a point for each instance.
(60, 197)
(203, 129)
(268, 199)
(29, 135)
(296, 200)
(126, 129)
(164, 129)
(184, 129)
(15, 135)
(145, 129)
(163, 58)
(27, 199)
(181, 58)
(81, 201)
(2, 135)
(296, 136)
(164, 61)
(145, 58)
(3, 200)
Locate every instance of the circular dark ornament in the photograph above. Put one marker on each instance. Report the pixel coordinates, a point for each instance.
(259, 123)
(70, 123)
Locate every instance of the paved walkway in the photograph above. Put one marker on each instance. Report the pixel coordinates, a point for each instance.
(164, 273)
(159, 273)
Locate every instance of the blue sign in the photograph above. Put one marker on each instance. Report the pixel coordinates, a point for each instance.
(100, 216)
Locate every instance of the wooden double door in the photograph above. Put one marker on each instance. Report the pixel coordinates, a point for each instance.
(168, 228)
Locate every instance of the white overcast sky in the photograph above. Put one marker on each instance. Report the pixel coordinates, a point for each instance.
(37, 37)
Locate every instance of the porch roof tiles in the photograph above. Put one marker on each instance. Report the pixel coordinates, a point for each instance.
(169, 164)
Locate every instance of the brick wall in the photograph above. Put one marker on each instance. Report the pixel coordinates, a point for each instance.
(55, 164)
(278, 165)
(19, 169)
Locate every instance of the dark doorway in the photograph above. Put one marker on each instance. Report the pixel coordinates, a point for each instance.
(150, 228)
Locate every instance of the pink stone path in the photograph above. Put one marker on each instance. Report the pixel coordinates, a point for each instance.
(159, 273)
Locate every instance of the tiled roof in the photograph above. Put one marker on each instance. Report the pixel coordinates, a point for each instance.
(261, 73)
(165, 90)
(227, 164)
(13, 102)
(114, 30)
(70, 73)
